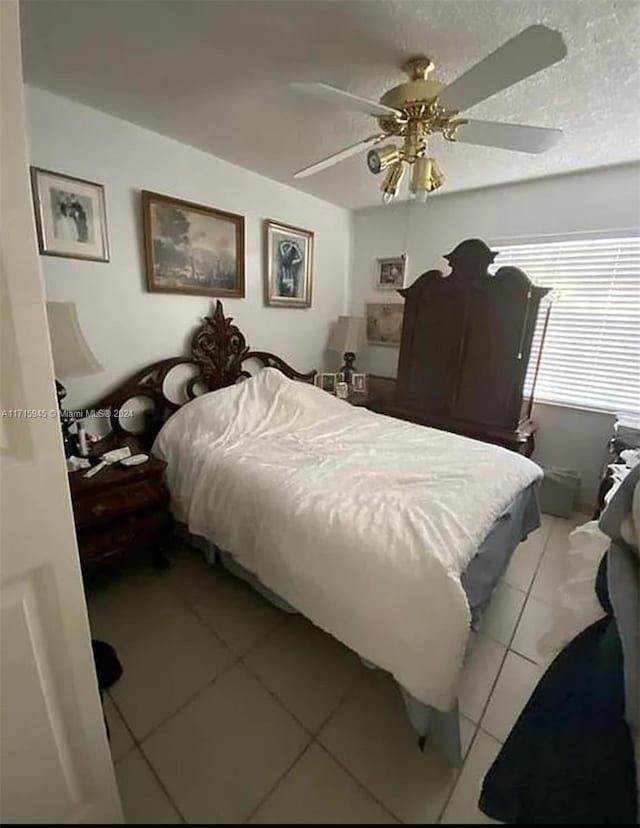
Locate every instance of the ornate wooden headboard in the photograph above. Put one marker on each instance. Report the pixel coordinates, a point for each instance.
(218, 352)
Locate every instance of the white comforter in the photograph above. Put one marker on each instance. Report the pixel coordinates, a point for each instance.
(364, 523)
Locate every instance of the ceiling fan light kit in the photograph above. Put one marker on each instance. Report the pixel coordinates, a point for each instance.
(426, 176)
(379, 160)
(391, 183)
(418, 108)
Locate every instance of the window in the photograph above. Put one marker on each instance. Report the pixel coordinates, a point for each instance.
(591, 355)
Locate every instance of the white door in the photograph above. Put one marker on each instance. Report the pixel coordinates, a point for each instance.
(55, 764)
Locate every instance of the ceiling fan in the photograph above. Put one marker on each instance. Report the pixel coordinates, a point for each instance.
(420, 107)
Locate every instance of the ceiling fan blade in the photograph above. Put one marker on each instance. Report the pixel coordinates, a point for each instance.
(344, 99)
(338, 156)
(519, 137)
(533, 49)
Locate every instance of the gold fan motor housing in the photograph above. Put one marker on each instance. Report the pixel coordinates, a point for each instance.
(416, 99)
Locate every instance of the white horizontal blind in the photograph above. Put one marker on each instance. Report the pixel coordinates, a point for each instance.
(591, 355)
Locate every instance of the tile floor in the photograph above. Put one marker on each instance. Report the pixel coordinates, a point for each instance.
(230, 710)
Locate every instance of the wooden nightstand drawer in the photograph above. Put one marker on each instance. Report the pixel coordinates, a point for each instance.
(114, 501)
(136, 531)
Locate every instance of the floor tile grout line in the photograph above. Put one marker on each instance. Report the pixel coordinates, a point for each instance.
(283, 703)
(499, 672)
(122, 719)
(137, 747)
(361, 784)
(162, 785)
(191, 698)
(274, 629)
(515, 629)
(343, 697)
(280, 779)
(325, 747)
(276, 698)
(529, 595)
(458, 776)
(509, 648)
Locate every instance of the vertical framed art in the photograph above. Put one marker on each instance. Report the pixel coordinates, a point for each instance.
(288, 265)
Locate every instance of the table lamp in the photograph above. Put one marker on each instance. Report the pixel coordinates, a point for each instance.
(72, 357)
(348, 338)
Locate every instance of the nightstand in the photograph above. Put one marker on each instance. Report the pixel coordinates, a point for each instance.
(120, 511)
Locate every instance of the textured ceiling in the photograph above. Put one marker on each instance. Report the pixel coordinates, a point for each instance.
(214, 74)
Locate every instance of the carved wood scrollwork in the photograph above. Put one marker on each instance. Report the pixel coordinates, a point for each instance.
(218, 350)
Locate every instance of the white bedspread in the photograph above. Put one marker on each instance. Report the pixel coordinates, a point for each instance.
(364, 523)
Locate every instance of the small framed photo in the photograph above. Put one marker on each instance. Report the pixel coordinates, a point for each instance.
(342, 390)
(71, 216)
(339, 377)
(288, 265)
(328, 383)
(359, 383)
(391, 273)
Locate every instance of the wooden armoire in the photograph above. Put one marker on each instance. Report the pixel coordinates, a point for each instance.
(465, 348)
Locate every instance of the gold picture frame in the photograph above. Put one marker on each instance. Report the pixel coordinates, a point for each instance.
(288, 265)
(192, 249)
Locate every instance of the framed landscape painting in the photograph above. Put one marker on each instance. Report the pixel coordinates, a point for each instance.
(190, 248)
(288, 265)
(384, 323)
(71, 217)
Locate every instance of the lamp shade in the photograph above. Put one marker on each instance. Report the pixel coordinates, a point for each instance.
(72, 357)
(348, 334)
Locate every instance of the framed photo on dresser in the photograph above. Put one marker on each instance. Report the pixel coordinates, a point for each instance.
(191, 248)
(71, 216)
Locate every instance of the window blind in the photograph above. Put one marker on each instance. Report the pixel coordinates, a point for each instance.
(591, 355)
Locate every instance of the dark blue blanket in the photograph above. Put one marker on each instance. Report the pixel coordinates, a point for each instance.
(569, 759)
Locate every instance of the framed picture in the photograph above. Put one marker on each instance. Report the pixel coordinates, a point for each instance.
(359, 383)
(342, 390)
(71, 216)
(190, 248)
(339, 377)
(391, 273)
(288, 265)
(384, 323)
(328, 383)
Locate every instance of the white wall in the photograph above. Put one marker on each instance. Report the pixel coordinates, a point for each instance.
(605, 199)
(126, 326)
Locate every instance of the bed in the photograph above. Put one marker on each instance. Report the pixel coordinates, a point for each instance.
(389, 536)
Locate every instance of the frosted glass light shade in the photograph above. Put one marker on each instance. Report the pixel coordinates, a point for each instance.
(72, 356)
